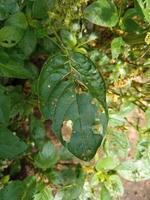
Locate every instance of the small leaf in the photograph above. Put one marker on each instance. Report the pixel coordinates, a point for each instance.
(68, 38)
(10, 145)
(47, 157)
(107, 163)
(102, 13)
(134, 170)
(116, 47)
(10, 36)
(105, 195)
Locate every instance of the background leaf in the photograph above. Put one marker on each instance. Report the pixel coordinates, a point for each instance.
(10, 145)
(102, 13)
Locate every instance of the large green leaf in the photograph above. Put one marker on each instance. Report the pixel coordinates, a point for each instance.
(102, 13)
(72, 94)
(10, 145)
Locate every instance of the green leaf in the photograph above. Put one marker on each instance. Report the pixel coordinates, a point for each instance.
(116, 47)
(40, 9)
(37, 131)
(17, 20)
(10, 145)
(134, 170)
(145, 6)
(28, 43)
(13, 191)
(47, 157)
(128, 22)
(44, 194)
(114, 186)
(7, 8)
(102, 13)
(19, 190)
(69, 90)
(107, 163)
(105, 195)
(4, 107)
(73, 184)
(11, 68)
(10, 36)
(117, 144)
(68, 38)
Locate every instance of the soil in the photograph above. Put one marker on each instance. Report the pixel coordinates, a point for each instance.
(137, 191)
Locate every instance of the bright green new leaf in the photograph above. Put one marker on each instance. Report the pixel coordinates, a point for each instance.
(107, 163)
(10, 36)
(70, 89)
(10, 145)
(105, 195)
(102, 13)
(17, 20)
(68, 38)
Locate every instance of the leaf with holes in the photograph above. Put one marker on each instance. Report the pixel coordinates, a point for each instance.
(72, 95)
(10, 36)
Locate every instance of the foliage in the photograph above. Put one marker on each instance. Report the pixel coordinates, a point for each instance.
(58, 61)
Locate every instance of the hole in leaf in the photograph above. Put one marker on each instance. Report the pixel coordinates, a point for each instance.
(13, 41)
(66, 130)
(5, 41)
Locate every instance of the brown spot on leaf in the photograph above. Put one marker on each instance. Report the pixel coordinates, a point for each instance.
(66, 130)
